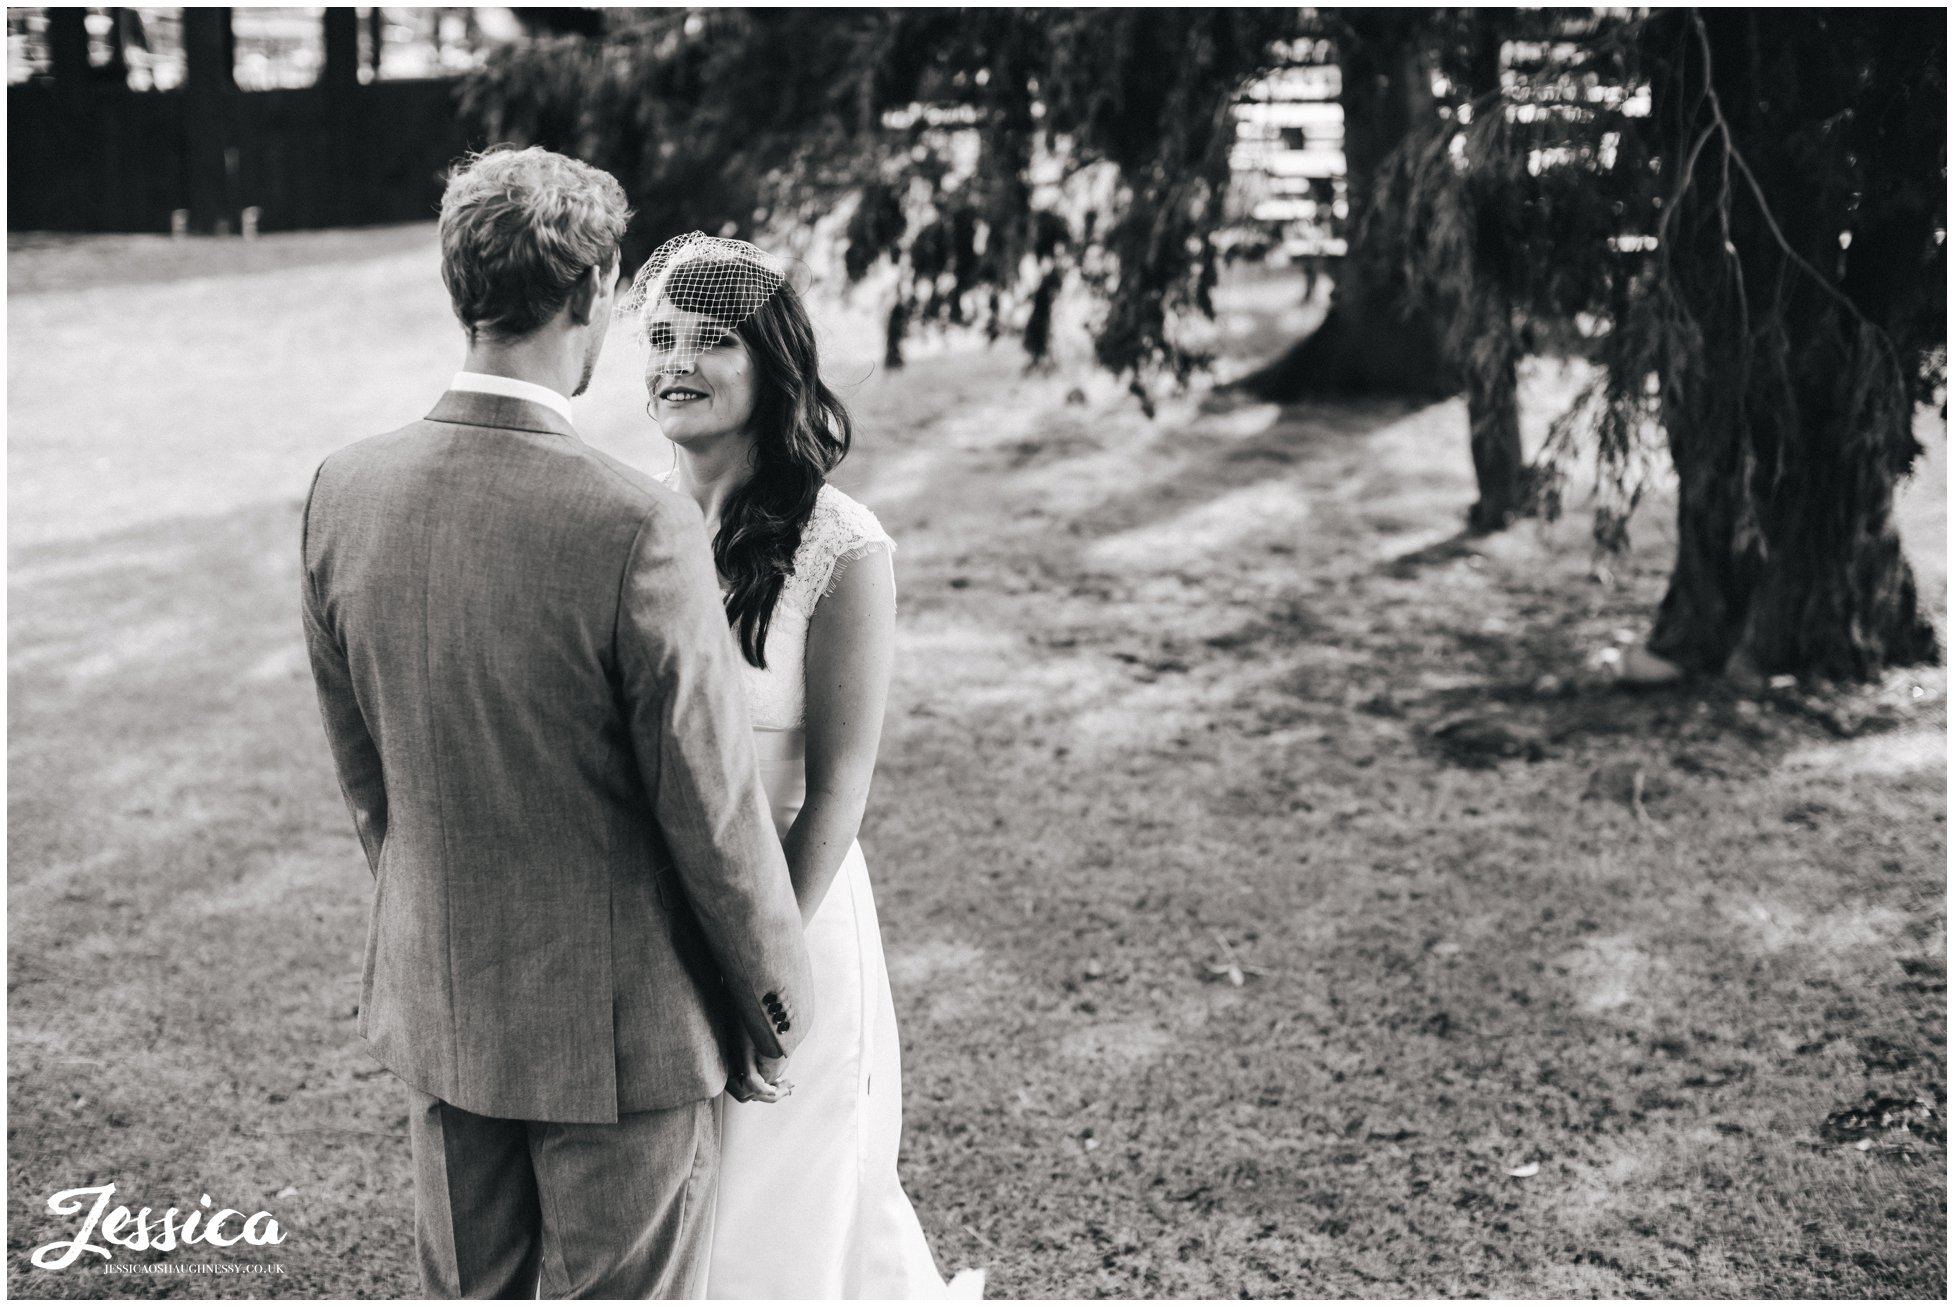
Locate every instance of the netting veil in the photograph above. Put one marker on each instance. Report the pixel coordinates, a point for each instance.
(692, 292)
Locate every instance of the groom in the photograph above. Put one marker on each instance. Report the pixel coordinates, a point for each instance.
(534, 706)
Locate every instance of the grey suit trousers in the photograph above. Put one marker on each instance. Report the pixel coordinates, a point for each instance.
(504, 1208)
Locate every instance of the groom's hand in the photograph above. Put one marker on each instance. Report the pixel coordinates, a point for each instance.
(757, 1079)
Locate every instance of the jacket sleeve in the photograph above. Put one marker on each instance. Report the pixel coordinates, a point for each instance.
(355, 756)
(686, 711)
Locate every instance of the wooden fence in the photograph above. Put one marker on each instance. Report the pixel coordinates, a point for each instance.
(84, 154)
(109, 159)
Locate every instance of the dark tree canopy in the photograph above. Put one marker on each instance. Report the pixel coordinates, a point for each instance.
(1739, 218)
(1100, 146)
(1759, 248)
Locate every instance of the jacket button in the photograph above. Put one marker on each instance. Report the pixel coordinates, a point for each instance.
(784, 1027)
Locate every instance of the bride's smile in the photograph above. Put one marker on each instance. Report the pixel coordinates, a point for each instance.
(712, 396)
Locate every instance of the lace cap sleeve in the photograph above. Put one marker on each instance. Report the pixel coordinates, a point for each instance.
(839, 531)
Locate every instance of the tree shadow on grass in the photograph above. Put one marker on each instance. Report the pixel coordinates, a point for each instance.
(1407, 566)
(1462, 966)
(1018, 462)
(1326, 452)
(1085, 527)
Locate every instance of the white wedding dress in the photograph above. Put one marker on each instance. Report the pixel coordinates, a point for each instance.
(809, 1203)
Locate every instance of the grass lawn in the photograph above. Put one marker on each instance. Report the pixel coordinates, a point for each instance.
(1165, 704)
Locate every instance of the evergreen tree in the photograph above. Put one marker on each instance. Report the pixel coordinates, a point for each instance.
(1377, 338)
(1802, 317)
(1790, 176)
(1501, 207)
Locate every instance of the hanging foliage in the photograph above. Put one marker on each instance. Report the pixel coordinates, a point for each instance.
(1739, 219)
(993, 156)
(1749, 218)
(1511, 210)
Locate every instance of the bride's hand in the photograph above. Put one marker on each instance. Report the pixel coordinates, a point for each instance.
(757, 1079)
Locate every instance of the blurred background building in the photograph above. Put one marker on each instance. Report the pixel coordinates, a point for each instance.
(1288, 162)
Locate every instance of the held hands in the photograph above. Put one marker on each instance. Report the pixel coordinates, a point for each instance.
(757, 1079)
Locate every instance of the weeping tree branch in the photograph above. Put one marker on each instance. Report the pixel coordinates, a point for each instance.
(1720, 125)
(1785, 409)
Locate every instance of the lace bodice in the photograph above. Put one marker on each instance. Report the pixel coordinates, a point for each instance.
(838, 532)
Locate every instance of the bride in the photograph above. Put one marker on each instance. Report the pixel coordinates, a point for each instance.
(809, 1202)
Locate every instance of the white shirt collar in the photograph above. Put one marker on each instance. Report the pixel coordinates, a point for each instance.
(487, 384)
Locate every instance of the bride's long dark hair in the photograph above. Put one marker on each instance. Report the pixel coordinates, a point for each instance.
(801, 431)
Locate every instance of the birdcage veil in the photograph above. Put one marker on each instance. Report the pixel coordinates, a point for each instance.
(695, 290)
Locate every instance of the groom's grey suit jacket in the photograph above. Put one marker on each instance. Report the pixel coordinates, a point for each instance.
(534, 706)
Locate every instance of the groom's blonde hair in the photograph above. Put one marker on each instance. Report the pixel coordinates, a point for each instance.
(519, 229)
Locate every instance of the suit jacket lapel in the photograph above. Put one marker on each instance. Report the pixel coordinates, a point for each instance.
(473, 408)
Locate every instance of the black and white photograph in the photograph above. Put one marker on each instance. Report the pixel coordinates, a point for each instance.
(977, 652)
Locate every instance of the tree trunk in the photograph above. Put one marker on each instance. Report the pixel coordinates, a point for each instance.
(1789, 560)
(116, 71)
(1493, 417)
(1489, 354)
(67, 39)
(339, 82)
(1371, 341)
(1838, 598)
(209, 106)
(1701, 617)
